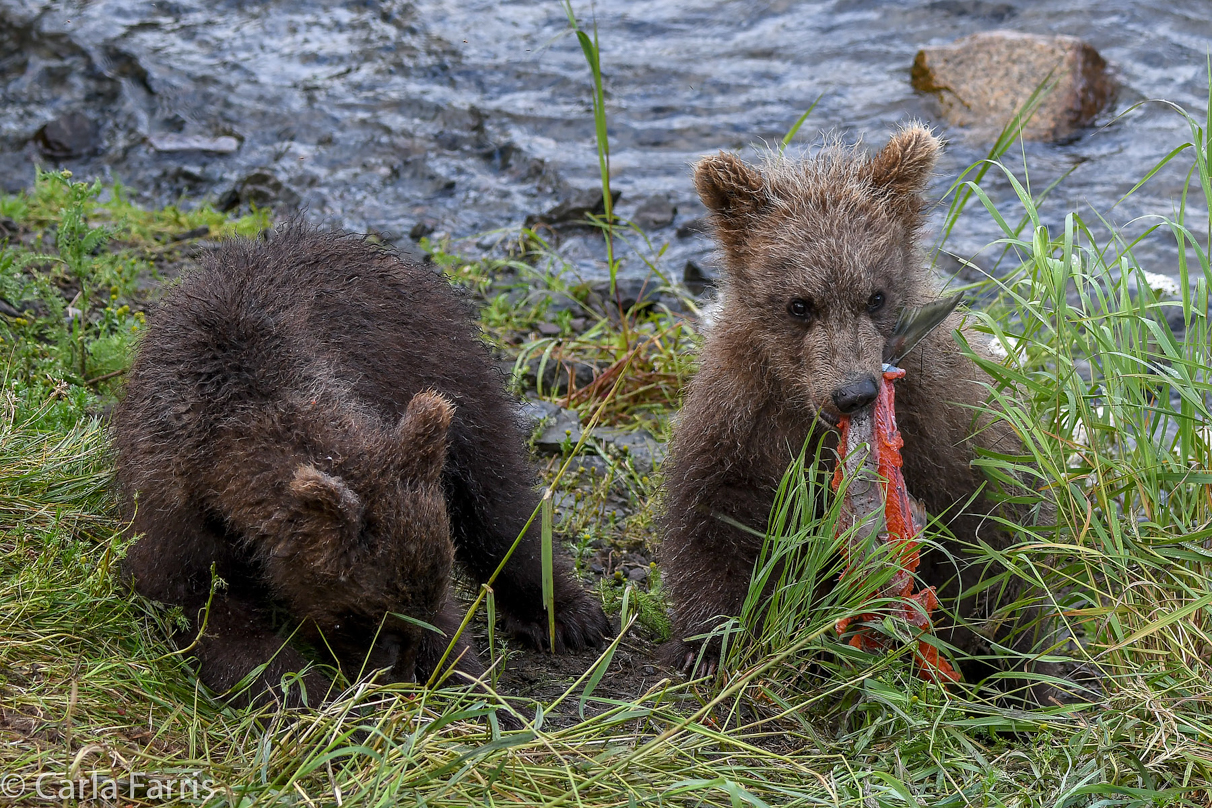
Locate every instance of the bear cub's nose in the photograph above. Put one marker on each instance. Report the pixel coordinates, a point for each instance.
(856, 395)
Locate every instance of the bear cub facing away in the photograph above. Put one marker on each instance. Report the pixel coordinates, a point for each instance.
(819, 258)
(318, 420)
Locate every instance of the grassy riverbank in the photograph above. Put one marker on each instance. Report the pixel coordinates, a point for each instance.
(1115, 418)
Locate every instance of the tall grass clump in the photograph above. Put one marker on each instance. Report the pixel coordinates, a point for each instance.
(1106, 381)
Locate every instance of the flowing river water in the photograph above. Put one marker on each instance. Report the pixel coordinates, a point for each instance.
(464, 116)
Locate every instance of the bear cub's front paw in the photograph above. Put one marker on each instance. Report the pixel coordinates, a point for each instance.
(580, 623)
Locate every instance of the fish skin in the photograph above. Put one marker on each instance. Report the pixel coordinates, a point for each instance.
(877, 495)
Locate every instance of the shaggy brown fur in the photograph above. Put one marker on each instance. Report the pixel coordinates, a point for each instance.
(319, 421)
(820, 256)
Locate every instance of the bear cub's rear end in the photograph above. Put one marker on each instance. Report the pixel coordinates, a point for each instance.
(318, 421)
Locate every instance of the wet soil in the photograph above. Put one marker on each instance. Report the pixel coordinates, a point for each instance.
(544, 677)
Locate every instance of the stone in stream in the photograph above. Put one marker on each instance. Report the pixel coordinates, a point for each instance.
(981, 80)
(654, 213)
(226, 144)
(71, 135)
(574, 208)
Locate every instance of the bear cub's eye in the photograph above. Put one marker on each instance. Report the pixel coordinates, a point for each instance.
(800, 309)
(875, 302)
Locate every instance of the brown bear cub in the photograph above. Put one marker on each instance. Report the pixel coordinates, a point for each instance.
(318, 421)
(819, 258)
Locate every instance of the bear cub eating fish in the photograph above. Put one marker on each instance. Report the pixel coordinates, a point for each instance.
(318, 421)
(819, 257)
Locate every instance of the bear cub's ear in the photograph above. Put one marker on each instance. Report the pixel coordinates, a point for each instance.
(728, 186)
(325, 494)
(903, 166)
(420, 436)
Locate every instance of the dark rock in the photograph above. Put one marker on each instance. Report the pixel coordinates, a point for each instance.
(560, 303)
(385, 234)
(695, 279)
(506, 365)
(556, 375)
(501, 156)
(589, 465)
(695, 227)
(983, 79)
(515, 295)
(645, 451)
(628, 294)
(574, 209)
(420, 230)
(30, 308)
(654, 213)
(971, 270)
(224, 144)
(8, 309)
(198, 232)
(638, 574)
(1175, 320)
(564, 503)
(615, 509)
(259, 188)
(534, 413)
(559, 427)
(549, 330)
(68, 136)
(8, 227)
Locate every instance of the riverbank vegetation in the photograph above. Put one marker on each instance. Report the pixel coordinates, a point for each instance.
(1104, 376)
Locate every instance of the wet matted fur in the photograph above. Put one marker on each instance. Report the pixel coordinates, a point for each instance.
(318, 419)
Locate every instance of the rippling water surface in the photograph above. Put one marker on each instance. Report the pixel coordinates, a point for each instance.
(469, 115)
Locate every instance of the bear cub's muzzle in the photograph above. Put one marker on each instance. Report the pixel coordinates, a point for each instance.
(855, 395)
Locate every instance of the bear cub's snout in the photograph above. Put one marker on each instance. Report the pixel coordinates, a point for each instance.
(852, 397)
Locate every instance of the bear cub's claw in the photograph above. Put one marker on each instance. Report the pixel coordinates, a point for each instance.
(691, 659)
